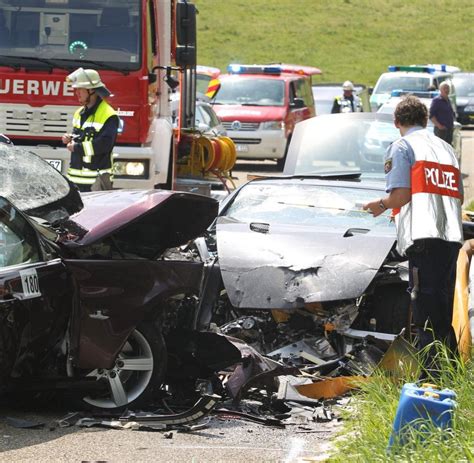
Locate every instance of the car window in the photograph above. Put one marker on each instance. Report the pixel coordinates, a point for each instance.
(251, 92)
(303, 91)
(304, 204)
(18, 242)
(393, 82)
(464, 85)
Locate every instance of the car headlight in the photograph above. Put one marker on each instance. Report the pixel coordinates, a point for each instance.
(124, 168)
(272, 125)
(469, 108)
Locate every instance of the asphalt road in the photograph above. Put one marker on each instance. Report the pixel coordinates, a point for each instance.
(227, 440)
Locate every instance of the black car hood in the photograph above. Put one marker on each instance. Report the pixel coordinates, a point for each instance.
(289, 266)
(35, 187)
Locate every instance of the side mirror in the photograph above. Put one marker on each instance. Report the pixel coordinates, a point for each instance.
(152, 77)
(371, 90)
(185, 23)
(297, 103)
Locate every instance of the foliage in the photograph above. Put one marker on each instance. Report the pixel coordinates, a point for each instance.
(346, 39)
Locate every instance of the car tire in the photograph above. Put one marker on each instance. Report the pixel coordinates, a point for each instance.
(281, 161)
(138, 372)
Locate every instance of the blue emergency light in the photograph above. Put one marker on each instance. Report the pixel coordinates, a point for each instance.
(252, 69)
(428, 69)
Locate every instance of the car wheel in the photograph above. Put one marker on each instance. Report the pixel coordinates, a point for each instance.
(281, 162)
(138, 372)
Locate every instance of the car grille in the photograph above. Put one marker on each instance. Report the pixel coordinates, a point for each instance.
(247, 141)
(47, 121)
(245, 126)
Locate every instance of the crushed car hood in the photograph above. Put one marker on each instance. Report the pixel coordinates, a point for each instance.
(271, 269)
(167, 217)
(35, 187)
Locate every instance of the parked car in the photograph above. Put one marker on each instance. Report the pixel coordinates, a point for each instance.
(325, 93)
(206, 120)
(426, 97)
(88, 285)
(260, 105)
(464, 83)
(409, 78)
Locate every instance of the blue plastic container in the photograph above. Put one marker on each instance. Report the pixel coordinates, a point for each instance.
(418, 405)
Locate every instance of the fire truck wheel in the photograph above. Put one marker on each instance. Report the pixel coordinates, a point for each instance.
(137, 374)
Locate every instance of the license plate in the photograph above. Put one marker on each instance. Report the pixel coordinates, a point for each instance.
(241, 148)
(56, 163)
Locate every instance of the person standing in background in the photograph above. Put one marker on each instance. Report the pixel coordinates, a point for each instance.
(442, 114)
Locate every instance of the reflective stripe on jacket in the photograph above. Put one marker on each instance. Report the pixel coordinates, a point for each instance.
(84, 169)
(435, 207)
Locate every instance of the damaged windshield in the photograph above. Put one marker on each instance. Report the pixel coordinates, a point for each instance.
(28, 181)
(305, 204)
(70, 30)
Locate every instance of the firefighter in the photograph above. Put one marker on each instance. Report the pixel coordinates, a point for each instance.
(347, 102)
(425, 190)
(95, 126)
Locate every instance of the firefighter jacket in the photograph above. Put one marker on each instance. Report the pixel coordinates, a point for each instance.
(435, 207)
(94, 132)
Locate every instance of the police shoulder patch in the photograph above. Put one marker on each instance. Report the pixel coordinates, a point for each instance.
(387, 167)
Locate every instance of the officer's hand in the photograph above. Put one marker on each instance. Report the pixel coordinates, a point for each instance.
(70, 146)
(67, 138)
(373, 207)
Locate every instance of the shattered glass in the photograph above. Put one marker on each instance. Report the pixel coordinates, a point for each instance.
(27, 181)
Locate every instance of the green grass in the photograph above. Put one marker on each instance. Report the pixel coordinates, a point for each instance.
(346, 39)
(369, 424)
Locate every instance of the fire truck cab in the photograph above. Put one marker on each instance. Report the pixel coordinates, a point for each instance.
(143, 49)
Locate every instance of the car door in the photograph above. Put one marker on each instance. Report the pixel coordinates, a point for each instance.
(36, 293)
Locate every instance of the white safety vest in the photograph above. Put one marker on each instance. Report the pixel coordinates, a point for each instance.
(435, 207)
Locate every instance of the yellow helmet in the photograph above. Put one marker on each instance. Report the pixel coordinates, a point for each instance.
(88, 79)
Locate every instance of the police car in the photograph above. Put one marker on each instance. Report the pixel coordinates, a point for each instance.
(425, 97)
(411, 79)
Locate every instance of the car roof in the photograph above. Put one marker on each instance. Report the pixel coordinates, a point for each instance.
(415, 73)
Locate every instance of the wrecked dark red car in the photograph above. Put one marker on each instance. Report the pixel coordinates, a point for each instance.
(89, 286)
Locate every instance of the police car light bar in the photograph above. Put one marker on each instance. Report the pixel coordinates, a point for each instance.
(252, 69)
(428, 69)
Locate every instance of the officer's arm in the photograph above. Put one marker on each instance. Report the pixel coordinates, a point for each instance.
(104, 141)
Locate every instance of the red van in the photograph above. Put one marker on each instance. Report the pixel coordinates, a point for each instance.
(259, 106)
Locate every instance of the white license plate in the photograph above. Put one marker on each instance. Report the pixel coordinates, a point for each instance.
(56, 163)
(241, 148)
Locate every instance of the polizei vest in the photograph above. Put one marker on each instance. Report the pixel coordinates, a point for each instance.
(85, 169)
(435, 207)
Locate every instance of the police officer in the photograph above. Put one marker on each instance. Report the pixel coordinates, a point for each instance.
(348, 102)
(425, 191)
(95, 126)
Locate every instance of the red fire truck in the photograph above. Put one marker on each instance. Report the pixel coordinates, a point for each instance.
(144, 50)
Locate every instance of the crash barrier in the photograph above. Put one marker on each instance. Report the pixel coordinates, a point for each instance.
(207, 156)
(421, 409)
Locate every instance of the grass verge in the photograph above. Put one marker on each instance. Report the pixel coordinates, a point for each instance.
(369, 423)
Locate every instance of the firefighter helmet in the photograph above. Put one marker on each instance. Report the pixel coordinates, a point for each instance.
(348, 85)
(88, 79)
